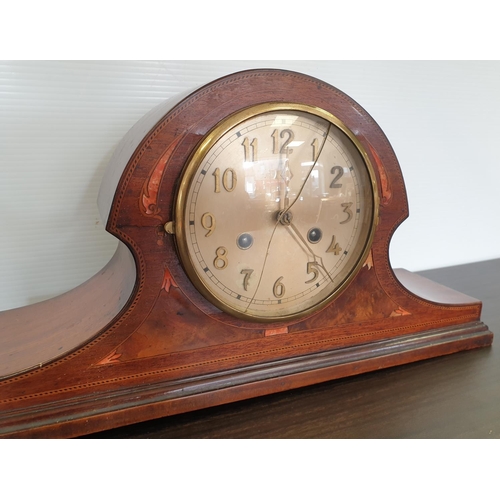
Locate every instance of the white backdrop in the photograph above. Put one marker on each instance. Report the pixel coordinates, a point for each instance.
(61, 120)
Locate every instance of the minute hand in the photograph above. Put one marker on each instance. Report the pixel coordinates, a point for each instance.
(317, 259)
(282, 216)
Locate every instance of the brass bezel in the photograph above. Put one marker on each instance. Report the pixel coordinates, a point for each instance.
(192, 166)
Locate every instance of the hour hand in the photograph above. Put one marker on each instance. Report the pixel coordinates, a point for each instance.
(285, 176)
(318, 261)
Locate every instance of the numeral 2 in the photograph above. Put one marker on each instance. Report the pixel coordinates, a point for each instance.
(337, 172)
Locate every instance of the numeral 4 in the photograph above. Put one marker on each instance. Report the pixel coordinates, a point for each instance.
(334, 247)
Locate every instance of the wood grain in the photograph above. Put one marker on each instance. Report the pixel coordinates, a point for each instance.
(455, 396)
(34, 335)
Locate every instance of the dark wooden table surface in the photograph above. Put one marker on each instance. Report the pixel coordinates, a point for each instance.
(455, 396)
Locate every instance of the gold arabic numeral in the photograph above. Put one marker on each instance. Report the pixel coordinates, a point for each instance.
(337, 173)
(229, 174)
(250, 149)
(291, 136)
(348, 211)
(311, 268)
(208, 223)
(220, 261)
(246, 149)
(284, 147)
(216, 174)
(229, 180)
(279, 288)
(315, 151)
(247, 273)
(275, 142)
(334, 247)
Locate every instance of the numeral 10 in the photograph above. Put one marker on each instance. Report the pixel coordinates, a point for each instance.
(229, 180)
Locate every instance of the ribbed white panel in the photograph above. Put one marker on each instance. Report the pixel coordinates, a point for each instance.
(60, 122)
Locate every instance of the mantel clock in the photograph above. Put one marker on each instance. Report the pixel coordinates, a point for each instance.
(254, 216)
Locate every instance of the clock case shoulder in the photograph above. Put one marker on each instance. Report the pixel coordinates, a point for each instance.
(138, 341)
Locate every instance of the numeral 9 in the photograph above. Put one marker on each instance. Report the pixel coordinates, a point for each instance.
(208, 223)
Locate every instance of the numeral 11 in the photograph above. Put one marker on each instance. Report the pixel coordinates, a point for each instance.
(250, 149)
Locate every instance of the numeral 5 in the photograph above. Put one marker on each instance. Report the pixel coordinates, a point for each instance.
(312, 268)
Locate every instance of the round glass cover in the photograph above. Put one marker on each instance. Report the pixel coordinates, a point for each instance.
(275, 212)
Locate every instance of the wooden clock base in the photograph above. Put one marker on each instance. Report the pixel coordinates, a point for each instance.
(137, 341)
(85, 391)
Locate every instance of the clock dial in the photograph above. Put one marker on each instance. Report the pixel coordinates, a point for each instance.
(275, 212)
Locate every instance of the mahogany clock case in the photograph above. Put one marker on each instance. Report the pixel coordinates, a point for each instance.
(138, 341)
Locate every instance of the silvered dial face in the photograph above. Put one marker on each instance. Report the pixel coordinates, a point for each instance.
(275, 212)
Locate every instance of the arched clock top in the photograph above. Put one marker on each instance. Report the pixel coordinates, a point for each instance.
(126, 148)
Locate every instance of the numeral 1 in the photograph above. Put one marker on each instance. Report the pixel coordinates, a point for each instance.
(315, 151)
